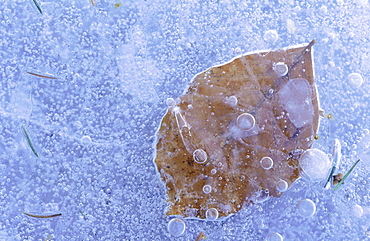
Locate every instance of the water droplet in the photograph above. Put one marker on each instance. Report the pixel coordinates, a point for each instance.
(266, 162)
(306, 208)
(207, 189)
(212, 214)
(86, 140)
(315, 165)
(280, 69)
(275, 237)
(245, 121)
(281, 186)
(176, 227)
(200, 156)
(271, 36)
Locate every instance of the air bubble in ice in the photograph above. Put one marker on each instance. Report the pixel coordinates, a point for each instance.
(200, 156)
(355, 80)
(176, 227)
(281, 186)
(266, 162)
(357, 210)
(207, 189)
(213, 171)
(86, 140)
(170, 102)
(306, 208)
(280, 69)
(260, 196)
(271, 36)
(275, 237)
(231, 101)
(315, 165)
(245, 121)
(211, 214)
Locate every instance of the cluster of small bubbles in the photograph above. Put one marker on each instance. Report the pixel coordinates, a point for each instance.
(231, 101)
(306, 208)
(281, 69)
(200, 156)
(176, 227)
(211, 214)
(274, 237)
(281, 186)
(207, 189)
(86, 140)
(355, 80)
(271, 36)
(245, 121)
(267, 163)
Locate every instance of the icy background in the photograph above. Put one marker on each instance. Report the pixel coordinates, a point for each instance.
(94, 126)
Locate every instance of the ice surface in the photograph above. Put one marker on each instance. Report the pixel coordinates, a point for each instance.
(116, 67)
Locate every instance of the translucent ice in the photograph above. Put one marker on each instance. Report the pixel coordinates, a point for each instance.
(355, 80)
(301, 89)
(315, 165)
(271, 36)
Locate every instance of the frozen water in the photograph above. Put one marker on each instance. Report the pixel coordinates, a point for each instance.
(315, 165)
(271, 36)
(275, 237)
(212, 214)
(116, 67)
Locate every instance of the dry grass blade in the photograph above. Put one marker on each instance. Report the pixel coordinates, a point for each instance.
(42, 76)
(345, 176)
(43, 216)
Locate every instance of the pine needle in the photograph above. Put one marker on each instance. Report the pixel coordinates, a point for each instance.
(345, 176)
(43, 216)
(37, 5)
(29, 141)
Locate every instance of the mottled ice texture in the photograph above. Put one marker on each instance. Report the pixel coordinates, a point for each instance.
(301, 90)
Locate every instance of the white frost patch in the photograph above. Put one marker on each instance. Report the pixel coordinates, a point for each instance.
(295, 98)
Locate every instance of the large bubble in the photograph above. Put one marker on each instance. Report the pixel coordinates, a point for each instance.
(315, 165)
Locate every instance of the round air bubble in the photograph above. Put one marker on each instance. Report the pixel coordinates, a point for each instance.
(355, 80)
(200, 156)
(245, 121)
(170, 102)
(261, 196)
(315, 165)
(86, 140)
(357, 211)
(176, 227)
(281, 186)
(275, 237)
(231, 101)
(212, 214)
(271, 36)
(306, 208)
(266, 162)
(207, 189)
(281, 69)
